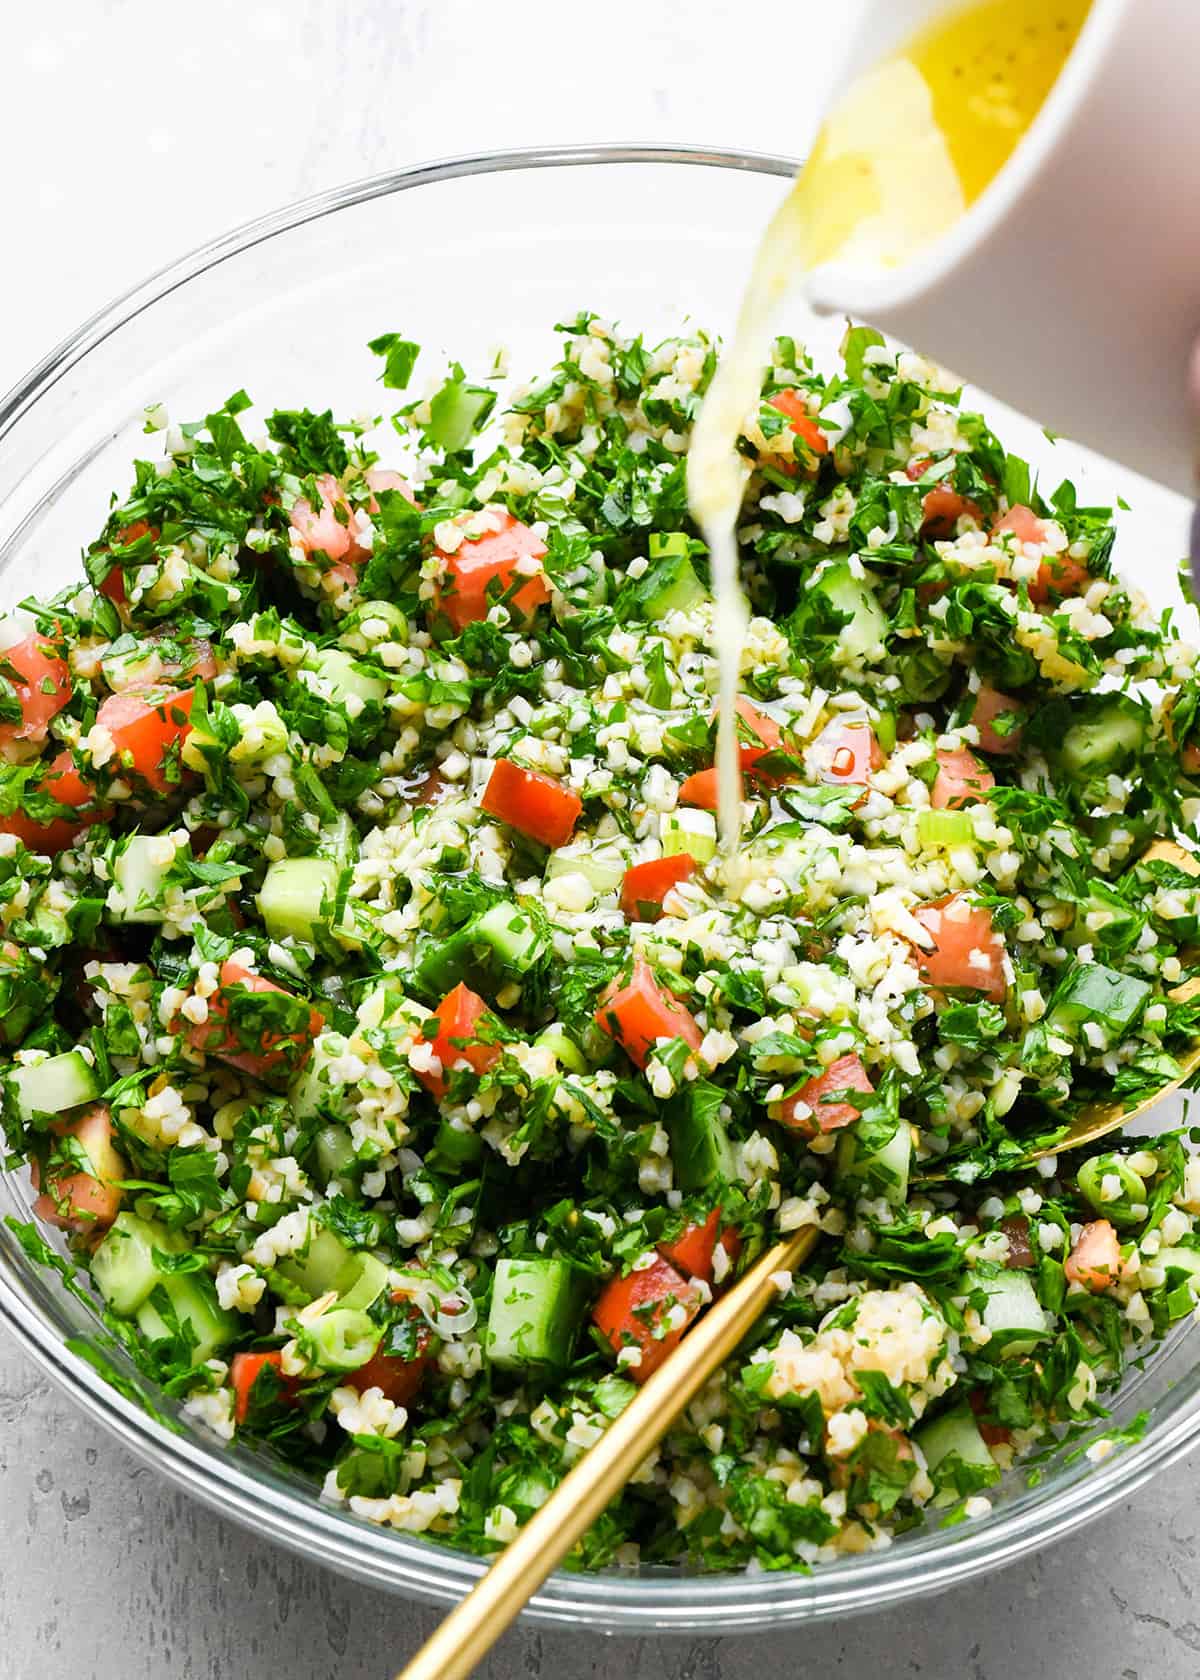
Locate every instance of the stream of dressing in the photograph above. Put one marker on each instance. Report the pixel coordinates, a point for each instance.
(909, 147)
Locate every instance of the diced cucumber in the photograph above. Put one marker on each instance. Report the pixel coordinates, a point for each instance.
(1112, 730)
(1184, 1294)
(602, 868)
(455, 1147)
(388, 612)
(701, 1152)
(139, 874)
(1013, 1314)
(339, 840)
(561, 1045)
(511, 936)
(298, 896)
(327, 1264)
(670, 585)
(123, 1268)
(1091, 992)
(693, 832)
(883, 1170)
(335, 1152)
(852, 598)
(367, 1287)
(456, 413)
(945, 829)
(342, 677)
(500, 941)
(192, 1298)
(54, 1086)
(1105, 919)
(534, 1314)
(956, 1455)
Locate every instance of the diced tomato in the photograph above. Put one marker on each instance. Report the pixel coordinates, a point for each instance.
(454, 1040)
(114, 584)
(275, 1052)
(647, 884)
(942, 507)
(146, 734)
(991, 1434)
(1095, 1259)
(639, 1014)
(845, 1074)
(1189, 759)
(244, 1372)
(399, 1377)
(496, 550)
(1059, 575)
(792, 405)
(960, 778)
(535, 804)
(991, 704)
(702, 790)
(847, 752)
(384, 478)
(63, 782)
(327, 529)
(73, 1198)
(692, 1252)
(631, 1311)
(1023, 523)
(766, 729)
(197, 660)
(961, 931)
(42, 683)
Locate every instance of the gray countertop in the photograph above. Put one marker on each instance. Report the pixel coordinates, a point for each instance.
(107, 1573)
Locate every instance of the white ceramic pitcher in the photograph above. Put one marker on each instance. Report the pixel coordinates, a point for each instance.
(1071, 288)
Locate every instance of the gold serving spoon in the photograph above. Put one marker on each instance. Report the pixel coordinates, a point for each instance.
(471, 1629)
(473, 1626)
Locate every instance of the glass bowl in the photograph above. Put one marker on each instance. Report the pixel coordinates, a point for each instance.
(462, 255)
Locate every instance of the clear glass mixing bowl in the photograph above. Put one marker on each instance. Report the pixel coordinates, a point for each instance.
(461, 255)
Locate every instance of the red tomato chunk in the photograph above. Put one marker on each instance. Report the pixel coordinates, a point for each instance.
(275, 1052)
(634, 1311)
(454, 1041)
(792, 405)
(639, 1014)
(73, 1198)
(960, 779)
(41, 682)
(845, 1074)
(646, 885)
(535, 804)
(966, 952)
(495, 552)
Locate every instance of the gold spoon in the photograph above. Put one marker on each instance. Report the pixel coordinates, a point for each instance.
(473, 1626)
(470, 1629)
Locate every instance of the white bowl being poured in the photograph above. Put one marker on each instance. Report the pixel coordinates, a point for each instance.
(1071, 287)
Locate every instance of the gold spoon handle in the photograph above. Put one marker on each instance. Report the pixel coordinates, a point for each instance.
(471, 1629)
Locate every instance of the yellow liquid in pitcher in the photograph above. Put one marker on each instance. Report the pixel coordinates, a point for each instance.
(910, 146)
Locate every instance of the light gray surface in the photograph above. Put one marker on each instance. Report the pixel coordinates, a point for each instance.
(106, 1573)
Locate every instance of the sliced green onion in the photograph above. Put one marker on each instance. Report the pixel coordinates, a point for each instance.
(945, 828)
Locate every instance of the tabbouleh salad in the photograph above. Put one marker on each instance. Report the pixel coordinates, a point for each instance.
(408, 1066)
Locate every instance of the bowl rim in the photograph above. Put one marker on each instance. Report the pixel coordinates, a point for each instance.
(263, 1501)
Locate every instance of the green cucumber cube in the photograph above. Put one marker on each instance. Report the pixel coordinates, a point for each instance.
(534, 1315)
(55, 1085)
